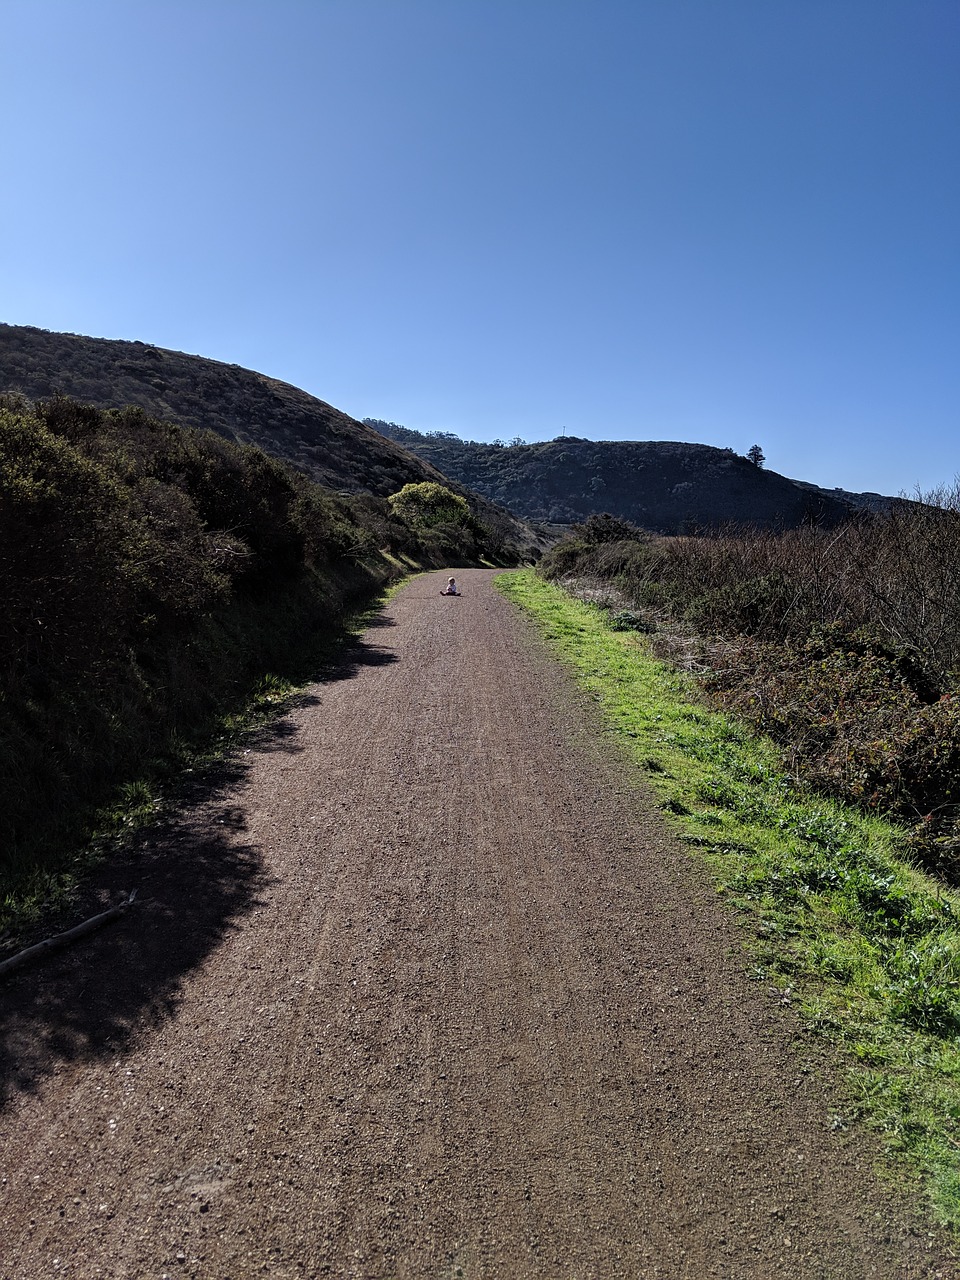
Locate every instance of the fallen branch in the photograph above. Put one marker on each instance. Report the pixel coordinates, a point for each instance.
(65, 939)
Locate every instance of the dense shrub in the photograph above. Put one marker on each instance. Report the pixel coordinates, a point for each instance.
(603, 528)
(428, 505)
(152, 575)
(756, 606)
(843, 645)
(87, 559)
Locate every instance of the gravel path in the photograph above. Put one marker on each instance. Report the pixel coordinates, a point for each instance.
(425, 990)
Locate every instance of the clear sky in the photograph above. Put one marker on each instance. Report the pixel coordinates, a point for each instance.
(724, 221)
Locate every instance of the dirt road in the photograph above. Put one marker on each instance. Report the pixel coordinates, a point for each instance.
(424, 990)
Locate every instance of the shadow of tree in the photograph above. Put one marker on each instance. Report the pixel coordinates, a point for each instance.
(278, 737)
(196, 879)
(352, 661)
(194, 884)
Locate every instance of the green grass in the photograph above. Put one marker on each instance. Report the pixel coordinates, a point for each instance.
(865, 948)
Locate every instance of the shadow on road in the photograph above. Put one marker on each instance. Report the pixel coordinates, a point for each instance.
(196, 879)
(193, 887)
(280, 736)
(360, 655)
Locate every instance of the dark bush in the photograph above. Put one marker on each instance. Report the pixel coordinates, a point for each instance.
(152, 575)
(598, 529)
(756, 606)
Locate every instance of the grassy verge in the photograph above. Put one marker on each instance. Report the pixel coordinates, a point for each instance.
(862, 945)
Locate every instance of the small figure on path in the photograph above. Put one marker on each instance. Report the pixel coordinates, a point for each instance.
(451, 589)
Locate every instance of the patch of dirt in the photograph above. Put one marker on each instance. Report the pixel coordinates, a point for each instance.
(425, 990)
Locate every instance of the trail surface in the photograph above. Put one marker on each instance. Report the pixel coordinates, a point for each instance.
(423, 990)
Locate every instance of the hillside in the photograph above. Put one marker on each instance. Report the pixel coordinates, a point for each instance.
(660, 485)
(330, 447)
(153, 578)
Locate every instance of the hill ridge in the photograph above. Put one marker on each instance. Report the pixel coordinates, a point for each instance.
(238, 403)
(668, 486)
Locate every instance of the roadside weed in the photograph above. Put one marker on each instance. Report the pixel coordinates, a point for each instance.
(862, 945)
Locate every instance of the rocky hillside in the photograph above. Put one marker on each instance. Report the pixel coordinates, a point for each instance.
(660, 485)
(330, 447)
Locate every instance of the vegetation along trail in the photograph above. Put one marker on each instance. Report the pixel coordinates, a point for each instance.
(425, 990)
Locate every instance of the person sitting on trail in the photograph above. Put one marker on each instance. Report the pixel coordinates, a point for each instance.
(451, 589)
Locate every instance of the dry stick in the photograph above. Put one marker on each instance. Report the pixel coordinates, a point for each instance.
(64, 939)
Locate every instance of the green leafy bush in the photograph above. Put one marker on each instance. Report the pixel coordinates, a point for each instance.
(924, 986)
(428, 505)
(597, 530)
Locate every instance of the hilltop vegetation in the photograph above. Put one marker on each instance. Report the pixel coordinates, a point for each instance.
(154, 577)
(663, 486)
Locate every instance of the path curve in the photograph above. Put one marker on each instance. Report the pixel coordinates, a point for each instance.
(425, 990)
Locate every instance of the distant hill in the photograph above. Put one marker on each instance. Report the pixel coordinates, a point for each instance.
(858, 501)
(330, 447)
(660, 485)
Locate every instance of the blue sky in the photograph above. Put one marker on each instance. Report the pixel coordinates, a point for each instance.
(726, 221)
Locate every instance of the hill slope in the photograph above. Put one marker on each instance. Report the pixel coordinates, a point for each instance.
(330, 447)
(661, 485)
